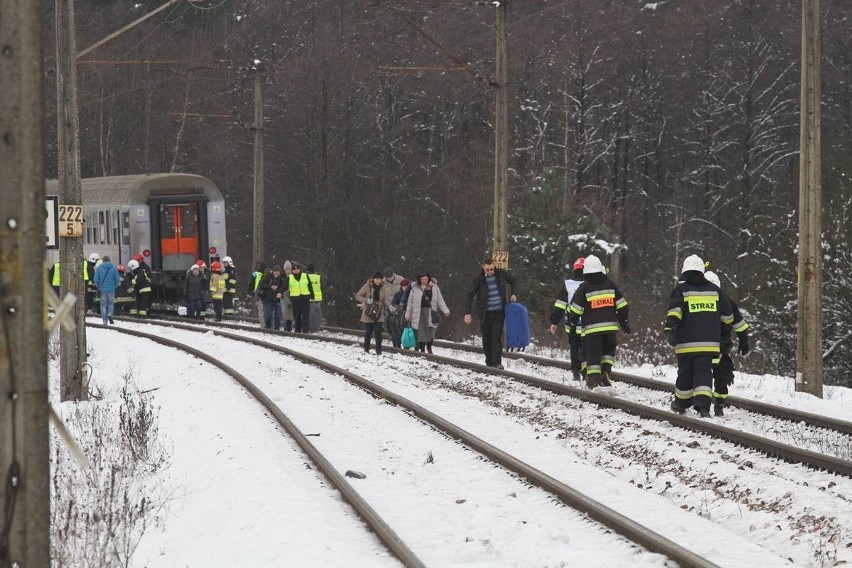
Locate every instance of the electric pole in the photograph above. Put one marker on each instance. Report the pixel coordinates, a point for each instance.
(72, 342)
(259, 244)
(24, 410)
(809, 323)
(500, 244)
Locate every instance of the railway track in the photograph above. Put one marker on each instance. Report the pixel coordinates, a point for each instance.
(609, 518)
(761, 444)
(376, 523)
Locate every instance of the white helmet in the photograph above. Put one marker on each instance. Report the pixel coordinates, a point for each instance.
(227, 260)
(133, 264)
(693, 262)
(592, 265)
(94, 257)
(713, 277)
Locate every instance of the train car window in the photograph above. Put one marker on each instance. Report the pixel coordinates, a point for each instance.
(115, 227)
(90, 227)
(189, 221)
(125, 228)
(101, 227)
(167, 222)
(108, 231)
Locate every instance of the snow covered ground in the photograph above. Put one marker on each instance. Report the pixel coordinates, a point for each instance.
(244, 495)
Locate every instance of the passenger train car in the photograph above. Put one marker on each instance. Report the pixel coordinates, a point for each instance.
(172, 220)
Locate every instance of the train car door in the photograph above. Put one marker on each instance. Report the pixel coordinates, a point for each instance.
(179, 238)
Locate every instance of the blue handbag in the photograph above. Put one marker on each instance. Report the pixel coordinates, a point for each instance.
(409, 339)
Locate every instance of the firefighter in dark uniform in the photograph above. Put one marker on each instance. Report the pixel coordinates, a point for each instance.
(560, 313)
(230, 273)
(89, 267)
(124, 300)
(602, 308)
(723, 366)
(698, 317)
(141, 288)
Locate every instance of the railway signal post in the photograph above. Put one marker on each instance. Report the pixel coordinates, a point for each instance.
(24, 410)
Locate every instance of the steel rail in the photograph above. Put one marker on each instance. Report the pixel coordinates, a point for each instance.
(390, 539)
(767, 446)
(597, 511)
(789, 414)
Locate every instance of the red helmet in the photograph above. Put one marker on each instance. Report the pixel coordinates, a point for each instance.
(201, 264)
(138, 257)
(120, 268)
(579, 263)
(216, 266)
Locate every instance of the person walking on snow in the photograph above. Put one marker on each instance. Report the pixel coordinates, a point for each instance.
(107, 280)
(423, 309)
(560, 314)
(723, 366)
(698, 317)
(490, 287)
(602, 308)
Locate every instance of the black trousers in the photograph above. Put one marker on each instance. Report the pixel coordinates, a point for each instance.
(301, 313)
(374, 327)
(492, 337)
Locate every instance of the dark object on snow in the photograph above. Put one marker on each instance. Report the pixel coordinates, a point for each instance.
(355, 474)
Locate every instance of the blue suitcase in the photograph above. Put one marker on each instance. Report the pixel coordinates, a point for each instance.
(517, 327)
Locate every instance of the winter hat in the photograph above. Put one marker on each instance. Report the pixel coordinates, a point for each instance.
(377, 274)
(388, 272)
(276, 268)
(195, 267)
(405, 282)
(296, 266)
(420, 274)
(287, 265)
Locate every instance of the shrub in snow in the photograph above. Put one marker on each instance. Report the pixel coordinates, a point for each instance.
(100, 513)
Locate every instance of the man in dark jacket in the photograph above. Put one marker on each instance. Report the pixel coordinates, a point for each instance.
(490, 285)
(698, 317)
(270, 290)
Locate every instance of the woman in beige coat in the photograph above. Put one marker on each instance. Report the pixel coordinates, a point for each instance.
(425, 304)
(372, 299)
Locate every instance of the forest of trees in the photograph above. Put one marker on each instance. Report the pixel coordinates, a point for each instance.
(640, 131)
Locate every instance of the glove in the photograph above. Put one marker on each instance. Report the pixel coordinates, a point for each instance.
(625, 327)
(744, 346)
(671, 337)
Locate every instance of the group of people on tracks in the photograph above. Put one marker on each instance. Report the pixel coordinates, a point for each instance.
(700, 321)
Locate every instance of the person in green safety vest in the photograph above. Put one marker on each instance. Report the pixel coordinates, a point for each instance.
(315, 315)
(53, 276)
(301, 291)
(252, 290)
